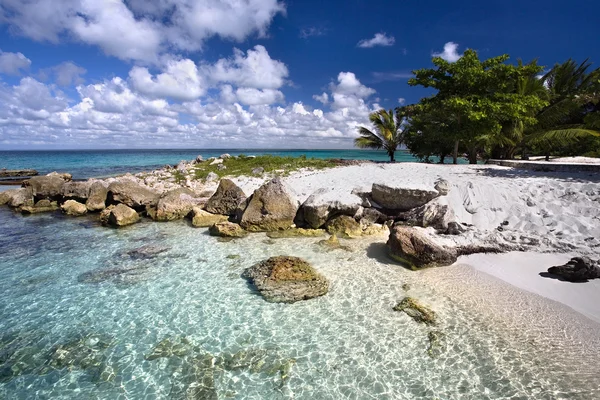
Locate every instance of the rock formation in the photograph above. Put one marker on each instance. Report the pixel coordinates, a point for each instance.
(271, 207)
(226, 199)
(409, 245)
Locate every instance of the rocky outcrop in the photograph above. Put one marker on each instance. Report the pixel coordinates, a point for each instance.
(4, 198)
(333, 243)
(78, 191)
(416, 310)
(409, 245)
(226, 199)
(131, 194)
(285, 279)
(344, 227)
(227, 229)
(97, 197)
(73, 208)
(270, 208)
(16, 198)
(578, 269)
(41, 206)
(176, 204)
(442, 186)
(47, 187)
(119, 215)
(204, 219)
(401, 199)
(437, 214)
(296, 232)
(9, 173)
(325, 204)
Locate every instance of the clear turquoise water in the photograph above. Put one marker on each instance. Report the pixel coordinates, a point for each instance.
(79, 316)
(98, 163)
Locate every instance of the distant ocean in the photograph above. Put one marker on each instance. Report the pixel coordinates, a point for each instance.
(83, 164)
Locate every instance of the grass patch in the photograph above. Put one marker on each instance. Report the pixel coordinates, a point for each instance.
(243, 165)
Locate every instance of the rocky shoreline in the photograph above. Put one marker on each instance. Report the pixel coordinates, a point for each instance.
(424, 230)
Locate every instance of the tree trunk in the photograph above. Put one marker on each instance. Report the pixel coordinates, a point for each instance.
(392, 159)
(455, 153)
(547, 157)
(442, 157)
(473, 157)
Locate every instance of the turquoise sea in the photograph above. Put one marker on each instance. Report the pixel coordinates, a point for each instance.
(84, 164)
(160, 311)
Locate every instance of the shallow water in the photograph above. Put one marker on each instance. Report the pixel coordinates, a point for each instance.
(80, 314)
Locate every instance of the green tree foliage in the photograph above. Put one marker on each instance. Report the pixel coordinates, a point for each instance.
(475, 101)
(387, 133)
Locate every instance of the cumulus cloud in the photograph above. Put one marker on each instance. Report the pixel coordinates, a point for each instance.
(255, 69)
(380, 39)
(13, 63)
(65, 74)
(253, 97)
(180, 80)
(401, 100)
(450, 52)
(322, 98)
(138, 29)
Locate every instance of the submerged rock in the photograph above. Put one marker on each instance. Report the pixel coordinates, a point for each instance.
(333, 244)
(578, 269)
(410, 246)
(437, 343)
(344, 226)
(204, 219)
(270, 208)
(296, 232)
(227, 230)
(41, 206)
(285, 279)
(416, 310)
(226, 199)
(168, 347)
(146, 252)
(401, 199)
(73, 208)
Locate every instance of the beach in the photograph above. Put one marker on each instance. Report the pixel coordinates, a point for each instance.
(504, 328)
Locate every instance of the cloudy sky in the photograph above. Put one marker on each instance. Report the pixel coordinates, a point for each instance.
(246, 73)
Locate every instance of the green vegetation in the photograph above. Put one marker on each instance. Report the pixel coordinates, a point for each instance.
(494, 109)
(244, 165)
(387, 134)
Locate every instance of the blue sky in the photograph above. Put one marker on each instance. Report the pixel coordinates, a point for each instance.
(246, 73)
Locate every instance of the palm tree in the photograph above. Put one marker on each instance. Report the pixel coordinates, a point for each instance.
(387, 134)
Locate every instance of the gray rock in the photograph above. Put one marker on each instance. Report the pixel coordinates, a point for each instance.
(258, 171)
(176, 204)
(227, 229)
(73, 208)
(442, 186)
(77, 191)
(226, 199)
(286, 280)
(41, 206)
(401, 199)
(325, 204)
(216, 161)
(578, 269)
(119, 215)
(132, 195)
(46, 187)
(10, 173)
(221, 167)
(344, 227)
(199, 159)
(225, 156)
(437, 214)
(211, 177)
(97, 197)
(204, 219)
(270, 208)
(410, 246)
(16, 198)
(454, 228)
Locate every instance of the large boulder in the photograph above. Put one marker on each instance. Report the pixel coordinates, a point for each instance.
(578, 269)
(73, 208)
(16, 198)
(436, 214)
(344, 227)
(132, 195)
(119, 215)
(286, 279)
(401, 199)
(327, 203)
(227, 229)
(97, 197)
(46, 187)
(41, 206)
(176, 204)
(271, 207)
(78, 191)
(204, 219)
(409, 245)
(226, 199)
(4, 198)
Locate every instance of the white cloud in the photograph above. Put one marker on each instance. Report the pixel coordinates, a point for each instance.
(401, 100)
(256, 69)
(138, 29)
(253, 97)
(348, 84)
(450, 52)
(312, 31)
(380, 39)
(323, 98)
(65, 74)
(13, 63)
(180, 80)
